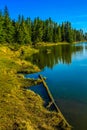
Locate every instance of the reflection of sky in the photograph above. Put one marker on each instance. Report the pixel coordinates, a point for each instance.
(82, 55)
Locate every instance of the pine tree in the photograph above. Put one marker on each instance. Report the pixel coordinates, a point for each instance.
(59, 33)
(55, 33)
(68, 32)
(2, 36)
(63, 32)
(28, 23)
(8, 28)
(37, 30)
(50, 30)
(74, 35)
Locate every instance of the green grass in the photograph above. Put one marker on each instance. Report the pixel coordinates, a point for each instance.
(22, 109)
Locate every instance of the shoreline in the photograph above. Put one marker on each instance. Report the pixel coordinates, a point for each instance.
(23, 107)
(41, 44)
(12, 61)
(51, 44)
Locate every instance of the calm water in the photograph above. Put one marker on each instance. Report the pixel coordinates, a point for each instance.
(65, 67)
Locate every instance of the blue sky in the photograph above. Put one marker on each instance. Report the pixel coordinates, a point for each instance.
(74, 11)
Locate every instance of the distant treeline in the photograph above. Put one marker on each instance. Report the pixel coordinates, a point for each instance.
(29, 31)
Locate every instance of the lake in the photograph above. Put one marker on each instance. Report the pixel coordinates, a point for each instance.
(65, 67)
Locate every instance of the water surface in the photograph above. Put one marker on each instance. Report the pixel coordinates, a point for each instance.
(65, 67)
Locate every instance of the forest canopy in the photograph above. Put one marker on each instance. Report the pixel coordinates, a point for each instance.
(27, 31)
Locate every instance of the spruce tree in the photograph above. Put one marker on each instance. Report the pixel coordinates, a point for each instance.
(50, 30)
(55, 33)
(63, 32)
(59, 33)
(7, 26)
(2, 35)
(37, 30)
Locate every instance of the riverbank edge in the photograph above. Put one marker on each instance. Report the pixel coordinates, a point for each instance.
(12, 62)
(55, 44)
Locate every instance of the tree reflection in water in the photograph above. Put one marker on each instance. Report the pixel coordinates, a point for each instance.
(57, 54)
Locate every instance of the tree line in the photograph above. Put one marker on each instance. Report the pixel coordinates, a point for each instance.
(27, 31)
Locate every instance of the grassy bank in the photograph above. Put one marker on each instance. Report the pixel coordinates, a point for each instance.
(56, 44)
(51, 44)
(22, 109)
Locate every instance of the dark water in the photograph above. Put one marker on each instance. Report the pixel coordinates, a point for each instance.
(40, 89)
(65, 67)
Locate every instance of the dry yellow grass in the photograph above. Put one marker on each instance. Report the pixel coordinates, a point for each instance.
(22, 109)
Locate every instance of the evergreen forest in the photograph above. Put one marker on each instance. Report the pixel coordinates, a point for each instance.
(27, 31)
